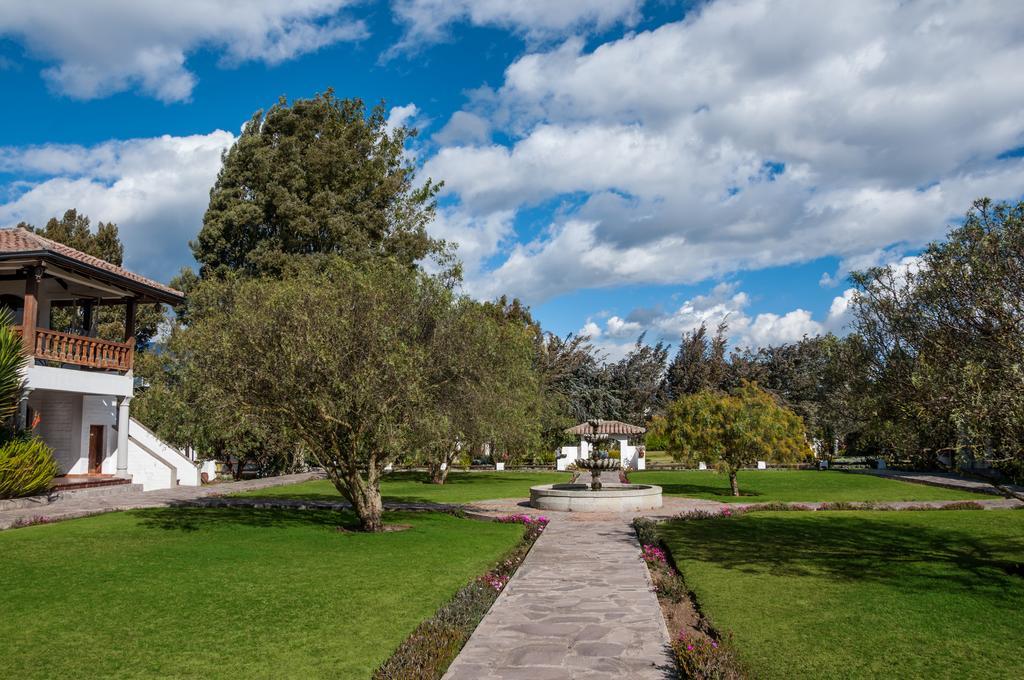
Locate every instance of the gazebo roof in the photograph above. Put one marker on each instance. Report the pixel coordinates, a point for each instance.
(606, 427)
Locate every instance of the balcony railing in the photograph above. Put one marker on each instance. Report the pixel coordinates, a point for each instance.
(66, 348)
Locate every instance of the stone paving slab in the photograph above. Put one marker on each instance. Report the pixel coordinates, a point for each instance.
(580, 606)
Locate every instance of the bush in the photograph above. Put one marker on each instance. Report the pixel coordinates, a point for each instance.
(646, 530)
(703, 658)
(27, 467)
(958, 505)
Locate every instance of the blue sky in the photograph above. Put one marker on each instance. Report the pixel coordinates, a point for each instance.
(623, 166)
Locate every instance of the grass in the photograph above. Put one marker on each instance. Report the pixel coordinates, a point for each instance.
(228, 593)
(862, 594)
(415, 487)
(807, 486)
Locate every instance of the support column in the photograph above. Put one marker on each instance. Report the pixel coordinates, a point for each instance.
(22, 420)
(123, 420)
(30, 315)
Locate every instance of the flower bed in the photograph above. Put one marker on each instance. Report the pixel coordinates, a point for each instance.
(698, 650)
(436, 642)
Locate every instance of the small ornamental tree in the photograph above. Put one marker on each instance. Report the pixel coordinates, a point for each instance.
(734, 430)
(333, 358)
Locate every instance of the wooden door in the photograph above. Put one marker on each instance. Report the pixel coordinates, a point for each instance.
(95, 449)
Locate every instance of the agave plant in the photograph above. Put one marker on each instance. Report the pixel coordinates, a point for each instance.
(12, 363)
(27, 466)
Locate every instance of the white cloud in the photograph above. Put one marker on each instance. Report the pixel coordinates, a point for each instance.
(464, 128)
(155, 189)
(723, 304)
(106, 46)
(712, 145)
(401, 115)
(428, 21)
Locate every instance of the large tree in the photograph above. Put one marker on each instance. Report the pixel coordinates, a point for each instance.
(74, 230)
(734, 430)
(699, 364)
(945, 339)
(335, 357)
(482, 388)
(317, 176)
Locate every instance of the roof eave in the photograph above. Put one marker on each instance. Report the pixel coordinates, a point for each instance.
(156, 294)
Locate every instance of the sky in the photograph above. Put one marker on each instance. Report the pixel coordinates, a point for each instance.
(622, 166)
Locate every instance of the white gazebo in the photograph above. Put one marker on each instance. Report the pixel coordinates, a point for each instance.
(631, 456)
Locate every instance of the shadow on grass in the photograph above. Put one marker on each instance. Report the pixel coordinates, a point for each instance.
(193, 519)
(703, 491)
(852, 548)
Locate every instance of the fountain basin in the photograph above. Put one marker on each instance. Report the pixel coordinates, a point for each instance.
(611, 497)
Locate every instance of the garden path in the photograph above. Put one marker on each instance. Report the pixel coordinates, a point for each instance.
(580, 606)
(86, 504)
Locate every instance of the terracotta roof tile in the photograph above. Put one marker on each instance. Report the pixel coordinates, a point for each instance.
(606, 427)
(17, 240)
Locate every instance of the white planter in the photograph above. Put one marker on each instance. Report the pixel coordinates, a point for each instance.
(702, 465)
(499, 466)
(761, 465)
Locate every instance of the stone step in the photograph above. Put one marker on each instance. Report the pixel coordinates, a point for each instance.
(59, 495)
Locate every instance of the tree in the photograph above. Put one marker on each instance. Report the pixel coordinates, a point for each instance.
(73, 230)
(319, 176)
(699, 364)
(333, 357)
(944, 339)
(638, 381)
(483, 389)
(734, 430)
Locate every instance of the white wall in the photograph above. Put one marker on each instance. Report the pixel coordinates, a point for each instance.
(60, 426)
(149, 469)
(187, 472)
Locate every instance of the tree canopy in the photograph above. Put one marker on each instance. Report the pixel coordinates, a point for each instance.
(317, 176)
(734, 430)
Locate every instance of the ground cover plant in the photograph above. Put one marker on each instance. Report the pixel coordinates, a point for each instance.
(860, 594)
(229, 593)
(808, 486)
(415, 487)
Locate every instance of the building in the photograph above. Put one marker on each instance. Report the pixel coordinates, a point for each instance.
(78, 387)
(628, 447)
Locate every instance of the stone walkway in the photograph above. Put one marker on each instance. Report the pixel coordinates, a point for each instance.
(85, 505)
(580, 606)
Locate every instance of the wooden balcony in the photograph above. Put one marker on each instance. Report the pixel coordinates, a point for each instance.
(79, 350)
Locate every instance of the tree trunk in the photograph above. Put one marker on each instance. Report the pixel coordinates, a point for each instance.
(367, 504)
(439, 475)
(733, 483)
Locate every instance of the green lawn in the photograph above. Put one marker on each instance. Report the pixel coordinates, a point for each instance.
(759, 486)
(937, 594)
(461, 487)
(227, 593)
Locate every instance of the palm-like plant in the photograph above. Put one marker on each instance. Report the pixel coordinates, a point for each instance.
(12, 363)
(26, 463)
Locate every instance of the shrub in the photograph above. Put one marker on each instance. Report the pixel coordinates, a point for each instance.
(847, 505)
(27, 467)
(646, 530)
(703, 658)
(958, 505)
